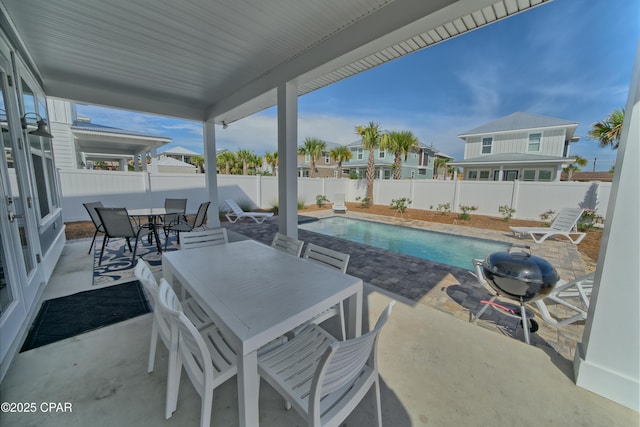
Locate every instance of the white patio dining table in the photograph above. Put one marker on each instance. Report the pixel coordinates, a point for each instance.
(255, 294)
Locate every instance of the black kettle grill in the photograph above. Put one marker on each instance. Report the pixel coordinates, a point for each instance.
(520, 276)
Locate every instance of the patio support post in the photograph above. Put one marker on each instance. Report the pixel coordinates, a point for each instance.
(606, 361)
(211, 174)
(287, 159)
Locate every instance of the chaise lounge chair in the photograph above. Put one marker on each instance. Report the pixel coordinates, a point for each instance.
(563, 225)
(338, 203)
(235, 213)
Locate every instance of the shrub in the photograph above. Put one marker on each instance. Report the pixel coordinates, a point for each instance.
(444, 207)
(245, 204)
(400, 205)
(588, 220)
(365, 202)
(547, 216)
(301, 204)
(321, 200)
(465, 212)
(506, 212)
(354, 175)
(274, 207)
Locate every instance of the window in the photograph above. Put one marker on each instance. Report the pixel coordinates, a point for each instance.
(486, 145)
(307, 158)
(387, 174)
(422, 171)
(529, 175)
(511, 175)
(472, 175)
(544, 175)
(484, 175)
(41, 153)
(360, 155)
(381, 154)
(534, 142)
(327, 158)
(413, 174)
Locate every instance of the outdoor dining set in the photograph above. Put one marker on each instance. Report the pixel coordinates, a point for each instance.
(252, 311)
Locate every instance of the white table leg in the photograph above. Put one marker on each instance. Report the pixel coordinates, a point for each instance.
(248, 389)
(354, 311)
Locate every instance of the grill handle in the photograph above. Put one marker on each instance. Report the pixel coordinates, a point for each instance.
(521, 250)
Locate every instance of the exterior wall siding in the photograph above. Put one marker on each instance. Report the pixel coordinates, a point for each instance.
(552, 143)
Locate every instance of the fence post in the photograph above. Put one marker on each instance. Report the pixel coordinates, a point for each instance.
(514, 195)
(259, 190)
(456, 195)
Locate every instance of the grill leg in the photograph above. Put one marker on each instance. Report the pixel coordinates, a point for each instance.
(525, 322)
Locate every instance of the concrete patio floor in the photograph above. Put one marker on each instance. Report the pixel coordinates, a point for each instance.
(436, 370)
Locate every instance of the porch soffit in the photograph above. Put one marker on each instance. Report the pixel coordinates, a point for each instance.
(215, 59)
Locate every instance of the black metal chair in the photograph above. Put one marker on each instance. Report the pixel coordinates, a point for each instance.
(117, 224)
(182, 226)
(91, 210)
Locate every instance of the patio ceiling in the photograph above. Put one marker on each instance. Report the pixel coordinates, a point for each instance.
(223, 59)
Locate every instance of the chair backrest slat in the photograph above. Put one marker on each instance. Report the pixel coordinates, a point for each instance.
(175, 204)
(197, 239)
(287, 244)
(328, 257)
(234, 207)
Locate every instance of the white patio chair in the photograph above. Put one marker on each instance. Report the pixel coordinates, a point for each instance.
(160, 326)
(198, 239)
(204, 354)
(325, 379)
(287, 244)
(339, 203)
(565, 225)
(332, 259)
(235, 213)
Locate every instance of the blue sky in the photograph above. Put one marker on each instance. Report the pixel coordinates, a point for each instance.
(567, 59)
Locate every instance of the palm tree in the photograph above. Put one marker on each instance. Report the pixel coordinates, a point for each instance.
(228, 159)
(399, 143)
(198, 161)
(313, 147)
(371, 138)
(439, 162)
(569, 170)
(245, 156)
(340, 154)
(255, 163)
(272, 161)
(608, 132)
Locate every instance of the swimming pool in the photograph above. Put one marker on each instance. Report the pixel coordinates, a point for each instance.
(444, 248)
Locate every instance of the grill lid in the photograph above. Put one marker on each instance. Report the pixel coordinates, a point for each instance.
(518, 274)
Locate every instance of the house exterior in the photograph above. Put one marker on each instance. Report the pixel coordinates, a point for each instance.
(80, 144)
(326, 167)
(180, 153)
(419, 163)
(519, 146)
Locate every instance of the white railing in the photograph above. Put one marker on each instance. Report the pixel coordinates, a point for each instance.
(145, 189)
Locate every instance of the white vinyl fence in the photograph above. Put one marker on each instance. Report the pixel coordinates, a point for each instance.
(145, 189)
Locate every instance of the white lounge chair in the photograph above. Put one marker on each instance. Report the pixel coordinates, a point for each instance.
(338, 203)
(565, 225)
(235, 213)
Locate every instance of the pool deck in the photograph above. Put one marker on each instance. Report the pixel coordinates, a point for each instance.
(449, 289)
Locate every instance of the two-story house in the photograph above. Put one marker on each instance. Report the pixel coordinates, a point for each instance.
(326, 167)
(419, 163)
(519, 146)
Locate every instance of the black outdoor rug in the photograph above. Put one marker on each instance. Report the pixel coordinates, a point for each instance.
(117, 266)
(65, 317)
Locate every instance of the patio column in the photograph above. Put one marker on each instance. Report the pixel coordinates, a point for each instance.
(287, 159)
(606, 361)
(211, 174)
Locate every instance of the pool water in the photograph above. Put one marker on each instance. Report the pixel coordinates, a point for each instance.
(450, 249)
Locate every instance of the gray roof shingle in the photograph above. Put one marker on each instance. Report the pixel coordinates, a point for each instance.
(519, 121)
